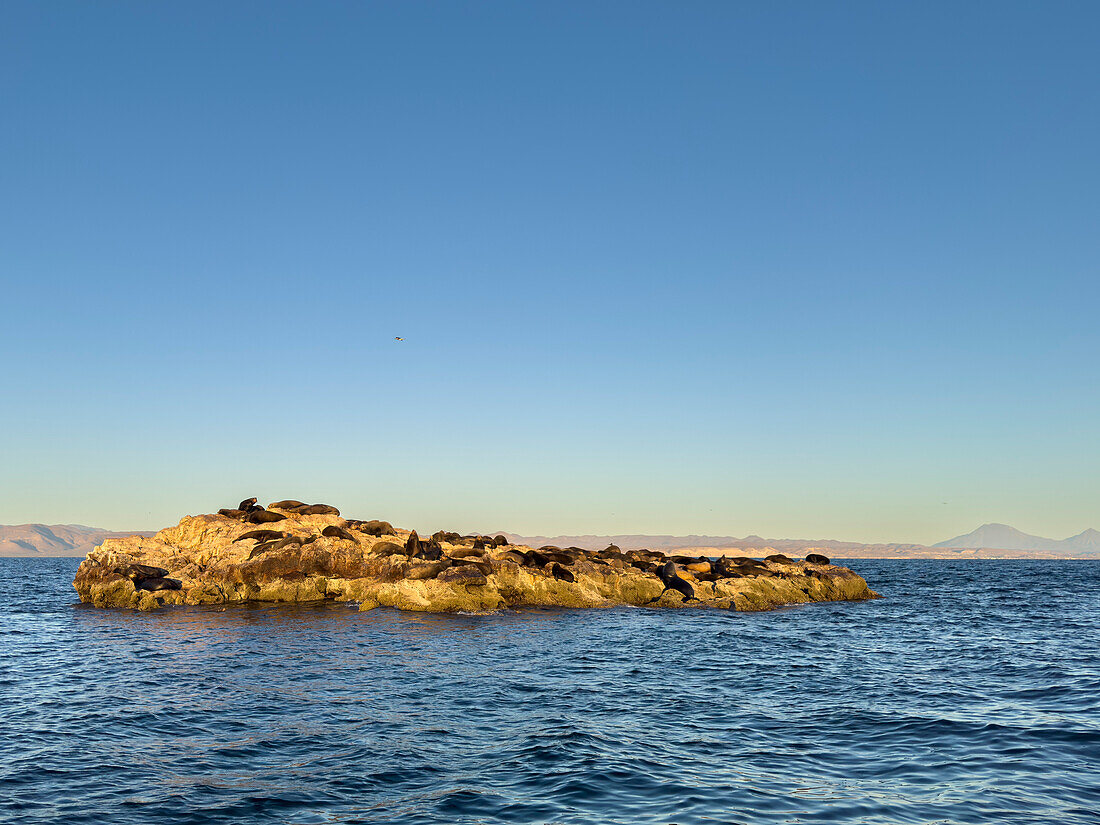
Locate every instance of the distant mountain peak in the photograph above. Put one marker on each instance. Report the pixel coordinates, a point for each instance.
(1006, 537)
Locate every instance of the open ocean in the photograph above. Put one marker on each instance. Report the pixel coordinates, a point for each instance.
(970, 693)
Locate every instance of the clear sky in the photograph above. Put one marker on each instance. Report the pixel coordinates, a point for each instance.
(796, 269)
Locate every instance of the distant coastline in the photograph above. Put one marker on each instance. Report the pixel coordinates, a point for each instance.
(75, 541)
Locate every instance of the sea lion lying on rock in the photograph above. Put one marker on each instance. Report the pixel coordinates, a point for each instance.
(158, 583)
(817, 558)
(388, 548)
(260, 535)
(287, 504)
(466, 574)
(319, 510)
(262, 516)
(560, 573)
(373, 527)
(467, 552)
(237, 514)
(334, 532)
(778, 558)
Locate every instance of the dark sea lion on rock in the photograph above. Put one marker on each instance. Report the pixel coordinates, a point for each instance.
(778, 558)
(264, 517)
(560, 573)
(412, 544)
(466, 553)
(279, 544)
(319, 510)
(287, 504)
(513, 556)
(817, 558)
(430, 550)
(334, 532)
(500, 541)
(467, 574)
(672, 581)
(141, 571)
(159, 583)
(481, 565)
(612, 548)
(388, 548)
(237, 514)
(533, 558)
(260, 535)
(549, 548)
(374, 527)
(248, 505)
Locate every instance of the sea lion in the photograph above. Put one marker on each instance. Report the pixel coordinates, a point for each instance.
(374, 527)
(261, 516)
(612, 548)
(467, 574)
(817, 558)
(479, 543)
(466, 553)
(237, 514)
(319, 510)
(549, 548)
(672, 581)
(334, 532)
(159, 583)
(287, 504)
(430, 550)
(560, 573)
(412, 544)
(136, 571)
(428, 570)
(388, 548)
(279, 544)
(513, 556)
(500, 541)
(260, 535)
(778, 558)
(248, 505)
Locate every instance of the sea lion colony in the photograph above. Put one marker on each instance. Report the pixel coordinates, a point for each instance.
(294, 551)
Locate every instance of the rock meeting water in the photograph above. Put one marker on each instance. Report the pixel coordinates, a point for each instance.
(970, 693)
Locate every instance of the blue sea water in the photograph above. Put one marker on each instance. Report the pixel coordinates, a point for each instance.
(970, 693)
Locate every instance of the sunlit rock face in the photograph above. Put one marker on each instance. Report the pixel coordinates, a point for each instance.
(294, 552)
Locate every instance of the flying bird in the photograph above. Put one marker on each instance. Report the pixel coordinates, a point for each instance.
(398, 338)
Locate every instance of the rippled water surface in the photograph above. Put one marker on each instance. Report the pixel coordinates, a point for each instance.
(971, 693)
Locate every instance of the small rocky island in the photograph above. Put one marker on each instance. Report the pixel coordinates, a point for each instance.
(291, 551)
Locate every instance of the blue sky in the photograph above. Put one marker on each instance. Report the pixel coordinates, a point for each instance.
(798, 269)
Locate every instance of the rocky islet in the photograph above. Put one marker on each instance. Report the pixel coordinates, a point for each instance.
(291, 551)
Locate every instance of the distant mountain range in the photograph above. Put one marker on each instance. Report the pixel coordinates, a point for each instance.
(52, 540)
(1009, 538)
(989, 541)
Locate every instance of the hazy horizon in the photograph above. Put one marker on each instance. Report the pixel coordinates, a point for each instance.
(793, 270)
